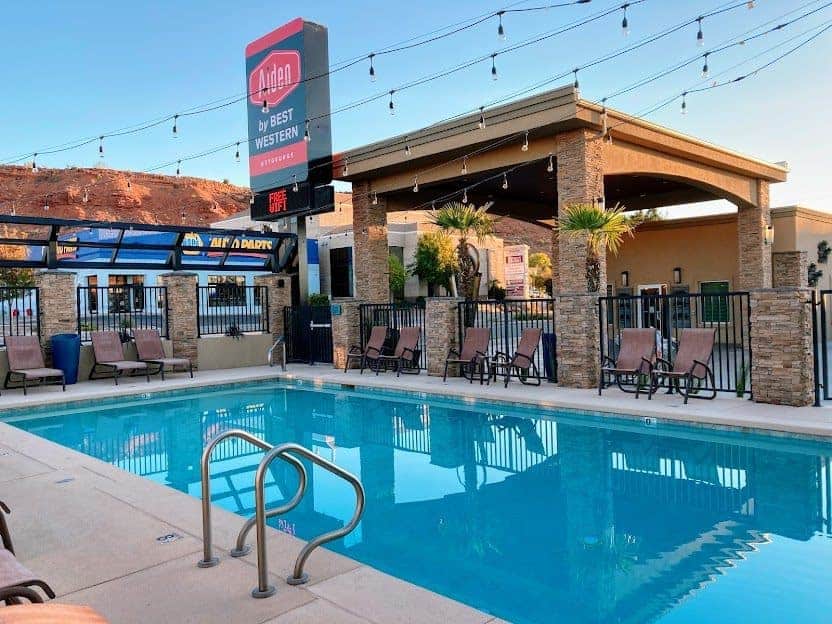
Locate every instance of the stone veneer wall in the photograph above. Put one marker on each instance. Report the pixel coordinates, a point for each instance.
(346, 329)
(182, 318)
(754, 255)
(579, 360)
(279, 288)
(370, 247)
(781, 344)
(57, 306)
(790, 269)
(441, 331)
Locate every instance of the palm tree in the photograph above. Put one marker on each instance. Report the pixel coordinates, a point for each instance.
(464, 220)
(603, 230)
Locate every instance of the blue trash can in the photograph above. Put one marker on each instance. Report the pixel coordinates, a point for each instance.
(550, 364)
(66, 351)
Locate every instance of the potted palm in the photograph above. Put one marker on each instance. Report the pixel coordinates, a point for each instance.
(464, 221)
(602, 229)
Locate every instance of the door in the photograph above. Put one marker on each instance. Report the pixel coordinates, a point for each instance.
(652, 312)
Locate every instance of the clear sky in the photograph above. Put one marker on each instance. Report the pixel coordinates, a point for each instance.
(77, 69)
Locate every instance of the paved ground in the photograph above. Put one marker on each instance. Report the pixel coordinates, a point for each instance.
(91, 529)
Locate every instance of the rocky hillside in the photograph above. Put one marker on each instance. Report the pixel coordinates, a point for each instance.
(118, 196)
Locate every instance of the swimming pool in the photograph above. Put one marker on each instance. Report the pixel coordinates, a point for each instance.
(534, 517)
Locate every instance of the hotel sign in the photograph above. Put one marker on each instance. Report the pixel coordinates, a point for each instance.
(286, 202)
(288, 96)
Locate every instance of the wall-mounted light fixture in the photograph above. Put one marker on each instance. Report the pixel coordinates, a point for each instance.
(769, 235)
(625, 278)
(677, 275)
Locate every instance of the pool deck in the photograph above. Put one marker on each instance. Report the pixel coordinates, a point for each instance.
(91, 529)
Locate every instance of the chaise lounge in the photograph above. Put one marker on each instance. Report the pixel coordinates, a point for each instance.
(26, 364)
(521, 364)
(636, 358)
(370, 353)
(405, 357)
(109, 358)
(692, 362)
(16, 580)
(151, 351)
(473, 357)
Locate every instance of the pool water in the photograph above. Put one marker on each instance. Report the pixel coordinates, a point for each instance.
(533, 516)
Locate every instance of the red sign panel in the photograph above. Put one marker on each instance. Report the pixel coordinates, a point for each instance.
(275, 77)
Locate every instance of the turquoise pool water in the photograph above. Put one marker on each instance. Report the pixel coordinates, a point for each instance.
(534, 517)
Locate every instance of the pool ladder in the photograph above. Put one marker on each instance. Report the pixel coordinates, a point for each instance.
(287, 453)
(280, 342)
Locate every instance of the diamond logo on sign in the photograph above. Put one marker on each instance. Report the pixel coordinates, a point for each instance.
(274, 78)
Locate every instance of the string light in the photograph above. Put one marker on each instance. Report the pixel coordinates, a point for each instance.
(295, 183)
(416, 183)
(684, 103)
(501, 32)
(375, 199)
(85, 197)
(46, 203)
(433, 206)
(34, 163)
(481, 124)
(406, 148)
(346, 169)
(576, 84)
(551, 166)
(493, 67)
(178, 165)
(604, 116)
(306, 136)
(750, 4)
(700, 36)
(705, 66)
(392, 106)
(625, 24)
(251, 198)
(505, 182)
(372, 68)
(525, 146)
(464, 165)
(101, 146)
(237, 153)
(465, 196)
(175, 118)
(129, 186)
(265, 107)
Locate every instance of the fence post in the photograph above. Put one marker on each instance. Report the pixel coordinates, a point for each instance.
(578, 330)
(182, 309)
(57, 306)
(441, 329)
(278, 296)
(346, 321)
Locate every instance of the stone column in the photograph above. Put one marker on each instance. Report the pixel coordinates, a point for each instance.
(580, 174)
(754, 255)
(279, 288)
(781, 346)
(580, 171)
(370, 247)
(441, 329)
(346, 329)
(182, 313)
(790, 269)
(57, 306)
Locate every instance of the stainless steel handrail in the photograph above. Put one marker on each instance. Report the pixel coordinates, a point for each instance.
(279, 342)
(208, 560)
(263, 589)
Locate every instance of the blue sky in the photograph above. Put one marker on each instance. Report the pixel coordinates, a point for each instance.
(77, 69)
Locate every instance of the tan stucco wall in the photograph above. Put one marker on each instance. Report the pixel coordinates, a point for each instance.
(809, 228)
(705, 249)
(217, 352)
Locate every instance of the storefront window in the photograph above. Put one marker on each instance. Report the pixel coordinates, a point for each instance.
(227, 290)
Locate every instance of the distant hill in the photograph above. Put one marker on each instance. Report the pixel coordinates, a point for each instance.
(118, 196)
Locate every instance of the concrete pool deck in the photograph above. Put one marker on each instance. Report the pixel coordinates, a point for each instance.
(91, 529)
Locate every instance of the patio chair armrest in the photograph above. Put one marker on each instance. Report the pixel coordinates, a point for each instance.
(406, 349)
(698, 363)
(451, 352)
(373, 349)
(354, 349)
(481, 355)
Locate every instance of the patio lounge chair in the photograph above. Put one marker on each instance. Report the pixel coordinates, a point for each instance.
(16, 581)
(150, 351)
(692, 362)
(109, 357)
(371, 352)
(522, 363)
(473, 356)
(26, 363)
(405, 357)
(636, 358)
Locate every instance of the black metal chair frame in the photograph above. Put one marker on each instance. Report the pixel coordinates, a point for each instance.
(161, 370)
(115, 372)
(10, 595)
(673, 380)
(400, 364)
(510, 366)
(469, 368)
(41, 381)
(632, 377)
(356, 353)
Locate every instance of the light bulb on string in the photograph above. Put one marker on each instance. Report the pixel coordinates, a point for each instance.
(372, 68)
(481, 123)
(251, 198)
(375, 199)
(433, 206)
(175, 132)
(493, 67)
(392, 106)
(294, 183)
(576, 84)
(604, 117)
(306, 136)
(464, 165)
(684, 103)
(407, 151)
(625, 24)
(34, 163)
(101, 146)
(465, 196)
(129, 186)
(46, 203)
(700, 36)
(178, 166)
(525, 146)
(237, 153)
(551, 166)
(705, 69)
(416, 183)
(346, 168)
(750, 4)
(85, 197)
(505, 182)
(501, 32)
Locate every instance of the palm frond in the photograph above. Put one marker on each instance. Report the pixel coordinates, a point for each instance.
(603, 229)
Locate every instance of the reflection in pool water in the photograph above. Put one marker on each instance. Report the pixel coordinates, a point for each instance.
(535, 518)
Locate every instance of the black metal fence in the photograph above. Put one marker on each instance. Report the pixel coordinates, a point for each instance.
(122, 308)
(727, 313)
(19, 311)
(308, 333)
(507, 320)
(821, 302)
(231, 309)
(394, 316)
